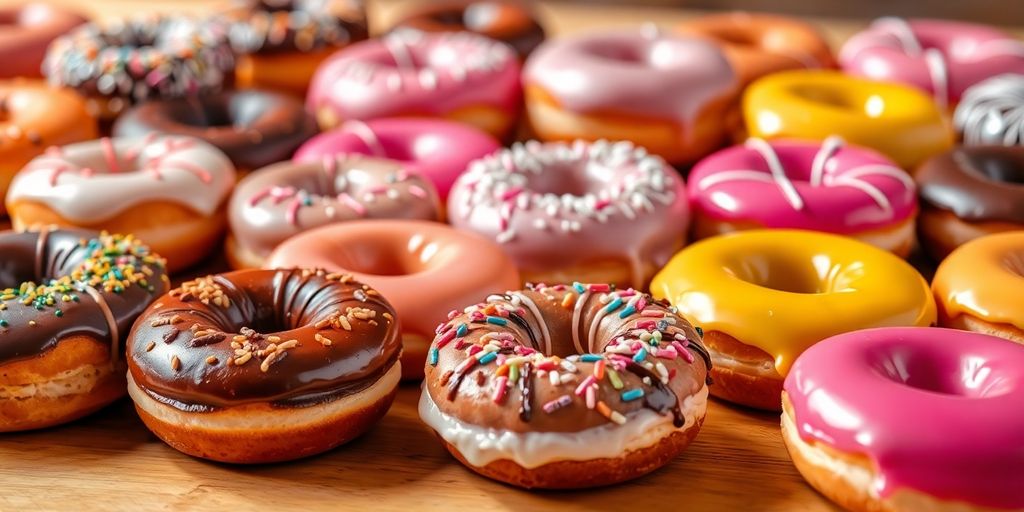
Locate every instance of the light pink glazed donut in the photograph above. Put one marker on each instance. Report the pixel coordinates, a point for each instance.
(436, 149)
(820, 186)
(941, 57)
(666, 92)
(602, 212)
(458, 76)
(909, 418)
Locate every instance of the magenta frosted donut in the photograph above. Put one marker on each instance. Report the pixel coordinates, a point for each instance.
(458, 76)
(822, 186)
(435, 149)
(940, 57)
(569, 212)
(909, 418)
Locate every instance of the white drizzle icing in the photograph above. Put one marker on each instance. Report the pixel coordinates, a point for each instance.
(992, 112)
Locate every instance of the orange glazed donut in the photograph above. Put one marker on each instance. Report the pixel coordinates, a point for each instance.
(67, 298)
(169, 190)
(568, 386)
(264, 365)
(421, 267)
(36, 116)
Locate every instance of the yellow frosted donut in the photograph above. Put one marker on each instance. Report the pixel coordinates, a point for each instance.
(762, 297)
(978, 286)
(896, 120)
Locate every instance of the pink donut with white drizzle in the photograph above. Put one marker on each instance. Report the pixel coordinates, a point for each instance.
(436, 149)
(941, 57)
(791, 184)
(596, 212)
(287, 198)
(909, 419)
(170, 191)
(458, 76)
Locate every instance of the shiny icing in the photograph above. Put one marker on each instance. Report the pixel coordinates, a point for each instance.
(935, 410)
(414, 73)
(606, 200)
(983, 278)
(782, 291)
(941, 57)
(95, 181)
(825, 186)
(632, 72)
(992, 112)
(975, 183)
(436, 149)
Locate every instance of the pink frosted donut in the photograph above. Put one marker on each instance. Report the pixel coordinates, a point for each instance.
(909, 418)
(458, 76)
(598, 212)
(438, 150)
(940, 57)
(821, 186)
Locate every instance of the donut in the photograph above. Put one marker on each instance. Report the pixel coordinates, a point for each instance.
(142, 57)
(909, 419)
(794, 184)
(286, 198)
(940, 57)
(974, 286)
(762, 297)
(969, 192)
(574, 211)
(570, 386)
(457, 76)
(170, 191)
(66, 299)
(992, 112)
(34, 117)
(665, 92)
(512, 23)
(760, 44)
(25, 32)
(261, 366)
(281, 42)
(253, 128)
(895, 120)
(436, 149)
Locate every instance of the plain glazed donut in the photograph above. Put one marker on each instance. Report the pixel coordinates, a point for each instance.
(977, 286)
(827, 186)
(991, 112)
(510, 22)
(67, 300)
(264, 365)
(253, 128)
(425, 269)
(34, 117)
(568, 386)
(280, 43)
(764, 296)
(170, 191)
(909, 419)
(436, 149)
(895, 120)
(25, 32)
(456, 76)
(566, 211)
(940, 57)
(970, 192)
(665, 92)
(285, 199)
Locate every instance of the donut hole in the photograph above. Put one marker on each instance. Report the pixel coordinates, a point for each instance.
(736, 38)
(201, 114)
(945, 372)
(627, 54)
(829, 96)
(781, 274)
(1013, 262)
(997, 166)
(573, 178)
(400, 256)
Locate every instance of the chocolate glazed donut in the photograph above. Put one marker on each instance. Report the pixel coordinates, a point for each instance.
(508, 22)
(208, 381)
(254, 128)
(969, 192)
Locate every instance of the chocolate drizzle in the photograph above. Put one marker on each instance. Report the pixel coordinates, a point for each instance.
(660, 398)
(526, 393)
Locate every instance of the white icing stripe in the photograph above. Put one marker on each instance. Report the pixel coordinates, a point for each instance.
(481, 446)
(577, 312)
(992, 112)
(594, 324)
(825, 153)
(532, 306)
(367, 135)
(778, 172)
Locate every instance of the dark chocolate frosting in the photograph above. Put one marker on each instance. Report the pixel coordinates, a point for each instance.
(64, 283)
(288, 337)
(979, 183)
(271, 26)
(254, 128)
(508, 22)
